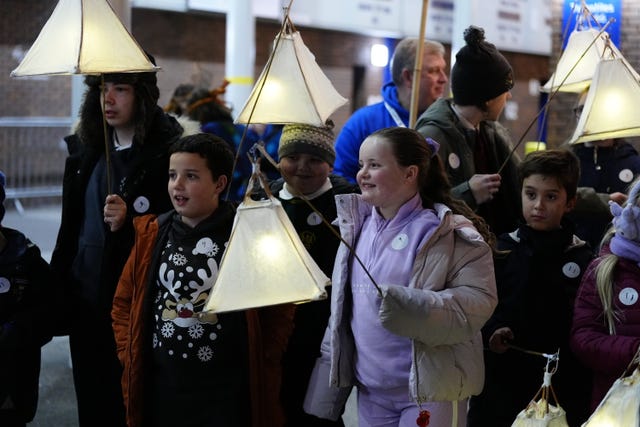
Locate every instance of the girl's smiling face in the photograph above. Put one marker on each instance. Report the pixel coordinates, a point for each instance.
(544, 202)
(383, 182)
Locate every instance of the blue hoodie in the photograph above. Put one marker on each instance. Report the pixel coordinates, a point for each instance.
(363, 123)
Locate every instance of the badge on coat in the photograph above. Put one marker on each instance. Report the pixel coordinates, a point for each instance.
(141, 204)
(400, 241)
(454, 161)
(571, 270)
(5, 285)
(628, 296)
(625, 175)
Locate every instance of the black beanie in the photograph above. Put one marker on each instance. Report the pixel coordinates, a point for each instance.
(480, 72)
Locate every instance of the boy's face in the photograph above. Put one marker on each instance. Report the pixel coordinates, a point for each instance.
(119, 104)
(544, 202)
(192, 189)
(304, 172)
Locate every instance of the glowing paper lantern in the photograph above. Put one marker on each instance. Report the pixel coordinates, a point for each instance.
(292, 88)
(611, 107)
(83, 37)
(620, 406)
(265, 262)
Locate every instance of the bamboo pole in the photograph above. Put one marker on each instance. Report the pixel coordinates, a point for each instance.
(415, 86)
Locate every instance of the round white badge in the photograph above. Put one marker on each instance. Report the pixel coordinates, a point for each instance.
(571, 270)
(628, 296)
(454, 161)
(5, 285)
(141, 204)
(400, 241)
(625, 175)
(314, 219)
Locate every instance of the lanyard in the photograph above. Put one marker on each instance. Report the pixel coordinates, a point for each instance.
(394, 115)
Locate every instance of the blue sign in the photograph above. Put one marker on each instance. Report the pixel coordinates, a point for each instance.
(601, 12)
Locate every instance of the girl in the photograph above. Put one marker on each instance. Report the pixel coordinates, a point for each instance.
(405, 330)
(606, 321)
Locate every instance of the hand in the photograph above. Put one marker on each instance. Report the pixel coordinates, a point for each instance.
(484, 186)
(115, 212)
(618, 197)
(499, 341)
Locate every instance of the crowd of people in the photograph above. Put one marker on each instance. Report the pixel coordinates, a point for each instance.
(454, 264)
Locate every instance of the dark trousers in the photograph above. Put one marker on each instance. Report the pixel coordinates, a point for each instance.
(96, 371)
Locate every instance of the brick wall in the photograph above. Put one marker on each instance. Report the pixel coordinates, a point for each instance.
(190, 47)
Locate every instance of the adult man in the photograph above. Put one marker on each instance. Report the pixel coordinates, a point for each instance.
(396, 95)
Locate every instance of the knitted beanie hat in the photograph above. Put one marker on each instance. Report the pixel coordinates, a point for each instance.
(480, 72)
(2, 195)
(313, 140)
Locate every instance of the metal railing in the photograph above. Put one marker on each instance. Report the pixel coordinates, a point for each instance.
(32, 156)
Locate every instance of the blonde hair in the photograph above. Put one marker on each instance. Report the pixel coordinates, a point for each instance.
(605, 271)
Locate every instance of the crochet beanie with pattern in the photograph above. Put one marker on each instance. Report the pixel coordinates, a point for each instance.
(307, 139)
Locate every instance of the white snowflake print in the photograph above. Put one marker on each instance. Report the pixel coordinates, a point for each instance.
(214, 251)
(168, 329)
(205, 353)
(196, 331)
(155, 340)
(168, 245)
(179, 259)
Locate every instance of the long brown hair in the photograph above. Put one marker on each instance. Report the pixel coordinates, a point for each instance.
(409, 148)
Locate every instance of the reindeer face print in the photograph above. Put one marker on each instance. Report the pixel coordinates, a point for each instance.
(185, 276)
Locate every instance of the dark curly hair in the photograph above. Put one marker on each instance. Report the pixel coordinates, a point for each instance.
(146, 93)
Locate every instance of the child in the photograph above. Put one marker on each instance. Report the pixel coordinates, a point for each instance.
(182, 367)
(417, 344)
(537, 276)
(306, 156)
(24, 297)
(606, 320)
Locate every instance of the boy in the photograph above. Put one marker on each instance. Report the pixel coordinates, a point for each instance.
(24, 298)
(306, 156)
(182, 367)
(537, 274)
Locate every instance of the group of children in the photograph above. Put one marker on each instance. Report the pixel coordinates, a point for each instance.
(420, 290)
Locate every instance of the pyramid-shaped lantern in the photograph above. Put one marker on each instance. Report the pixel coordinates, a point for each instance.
(83, 37)
(291, 88)
(575, 71)
(265, 262)
(611, 107)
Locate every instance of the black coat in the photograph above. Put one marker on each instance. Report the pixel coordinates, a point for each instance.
(537, 281)
(147, 178)
(26, 309)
